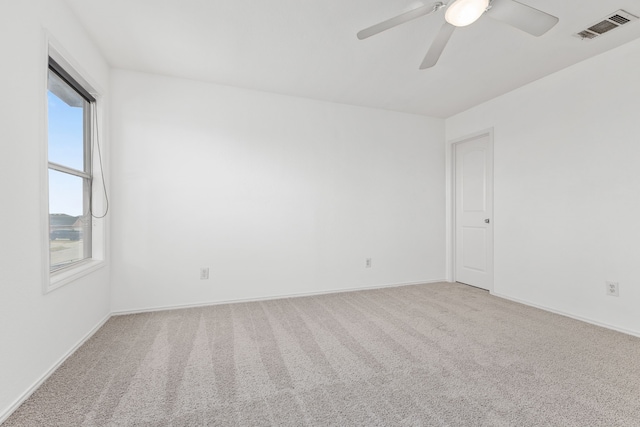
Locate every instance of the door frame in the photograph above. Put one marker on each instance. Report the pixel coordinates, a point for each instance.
(451, 202)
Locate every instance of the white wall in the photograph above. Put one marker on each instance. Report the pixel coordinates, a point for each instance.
(567, 188)
(36, 330)
(277, 195)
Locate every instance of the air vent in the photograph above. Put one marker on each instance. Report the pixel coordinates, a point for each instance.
(611, 22)
(619, 19)
(587, 35)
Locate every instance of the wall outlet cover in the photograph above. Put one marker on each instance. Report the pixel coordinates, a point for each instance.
(612, 288)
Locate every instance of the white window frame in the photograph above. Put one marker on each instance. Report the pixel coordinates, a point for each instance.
(58, 278)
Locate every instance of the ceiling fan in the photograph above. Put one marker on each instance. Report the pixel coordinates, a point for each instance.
(460, 13)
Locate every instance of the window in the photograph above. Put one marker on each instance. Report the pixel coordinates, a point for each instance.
(69, 110)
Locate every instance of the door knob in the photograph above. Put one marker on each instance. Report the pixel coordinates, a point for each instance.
(487, 221)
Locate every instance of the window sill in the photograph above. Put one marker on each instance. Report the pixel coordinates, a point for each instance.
(68, 275)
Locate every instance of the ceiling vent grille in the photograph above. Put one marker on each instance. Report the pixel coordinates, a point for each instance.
(611, 22)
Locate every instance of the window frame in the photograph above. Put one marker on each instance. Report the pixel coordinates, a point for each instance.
(86, 174)
(92, 180)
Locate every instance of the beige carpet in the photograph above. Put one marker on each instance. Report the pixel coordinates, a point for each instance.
(432, 355)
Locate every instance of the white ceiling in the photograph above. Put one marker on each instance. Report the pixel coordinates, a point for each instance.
(309, 48)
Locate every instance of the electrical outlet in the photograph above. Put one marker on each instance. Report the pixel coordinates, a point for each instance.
(613, 289)
(367, 263)
(204, 273)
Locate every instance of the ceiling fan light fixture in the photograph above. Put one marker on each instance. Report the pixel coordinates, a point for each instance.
(464, 12)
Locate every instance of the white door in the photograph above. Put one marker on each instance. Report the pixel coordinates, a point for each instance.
(474, 212)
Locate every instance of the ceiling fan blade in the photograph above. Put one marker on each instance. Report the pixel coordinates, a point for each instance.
(438, 46)
(400, 19)
(523, 17)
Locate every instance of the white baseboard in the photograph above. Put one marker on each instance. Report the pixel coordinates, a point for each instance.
(270, 297)
(8, 411)
(572, 316)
